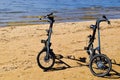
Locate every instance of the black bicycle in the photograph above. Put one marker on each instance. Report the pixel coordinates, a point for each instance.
(46, 57)
(100, 65)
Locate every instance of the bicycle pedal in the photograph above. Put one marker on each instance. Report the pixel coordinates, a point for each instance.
(90, 35)
(85, 48)
(43, 41)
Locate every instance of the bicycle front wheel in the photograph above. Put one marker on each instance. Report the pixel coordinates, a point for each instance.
(100, 65)
(43, 62)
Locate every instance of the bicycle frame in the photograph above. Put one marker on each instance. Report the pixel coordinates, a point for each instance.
(95, 28)
(47, 42)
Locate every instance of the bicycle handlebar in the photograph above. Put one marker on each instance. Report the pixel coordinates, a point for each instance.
(50, 17)
(104, 18)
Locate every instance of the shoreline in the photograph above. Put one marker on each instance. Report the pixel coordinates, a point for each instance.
(56, 22)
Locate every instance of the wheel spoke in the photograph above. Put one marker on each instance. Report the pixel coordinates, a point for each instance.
(100, 65)
(45, 61)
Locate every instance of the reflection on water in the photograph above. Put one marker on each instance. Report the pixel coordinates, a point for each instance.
(12, 11)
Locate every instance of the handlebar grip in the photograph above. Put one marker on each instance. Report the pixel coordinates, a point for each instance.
(106, 19)
(50, 14)
(49, 17)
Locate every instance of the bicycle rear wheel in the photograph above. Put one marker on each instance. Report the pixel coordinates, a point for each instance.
(100, 65)
(43, 62)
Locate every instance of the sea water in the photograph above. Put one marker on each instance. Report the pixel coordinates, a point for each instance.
(26, 11)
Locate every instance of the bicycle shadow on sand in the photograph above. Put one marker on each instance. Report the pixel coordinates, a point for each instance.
(65, 65)
(112, 75)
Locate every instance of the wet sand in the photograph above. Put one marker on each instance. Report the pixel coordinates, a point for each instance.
(20, 45)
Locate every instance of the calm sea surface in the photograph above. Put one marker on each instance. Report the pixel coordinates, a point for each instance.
(19, 12)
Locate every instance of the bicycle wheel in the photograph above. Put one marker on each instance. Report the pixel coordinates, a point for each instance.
(45, 63)
(100, 65)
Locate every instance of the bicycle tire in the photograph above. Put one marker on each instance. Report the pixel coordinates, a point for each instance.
(102, 57)
(52, 58)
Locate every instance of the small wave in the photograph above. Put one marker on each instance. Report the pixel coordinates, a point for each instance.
(11, 12)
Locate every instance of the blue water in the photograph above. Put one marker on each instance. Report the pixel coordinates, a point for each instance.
(65, 10)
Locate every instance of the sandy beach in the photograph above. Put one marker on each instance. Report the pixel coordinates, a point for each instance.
(20, 45)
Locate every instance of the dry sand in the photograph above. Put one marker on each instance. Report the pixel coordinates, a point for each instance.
(19, 47)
